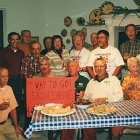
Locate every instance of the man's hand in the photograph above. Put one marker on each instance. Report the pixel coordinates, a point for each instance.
(80, 95)
(99, 101)
(19, 131)
(4, 105)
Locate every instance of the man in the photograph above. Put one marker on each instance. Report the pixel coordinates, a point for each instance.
(45, 68)
(94, 41)
(25, 41)
(131, 47)
(8, 106)
(80, 54)
(11, 58)
(80, 86)
(47, 41)
(131, 83)
(111, 55)
(104, 86)
(30, 63)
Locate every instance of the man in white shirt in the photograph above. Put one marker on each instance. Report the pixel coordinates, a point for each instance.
(105, 87)
(80, 54)
(111, 55)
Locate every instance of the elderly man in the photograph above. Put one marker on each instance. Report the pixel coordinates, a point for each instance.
(80, 86)
(25, 42)
(8, 106)
(80, 54)
(104, 86)
(131, 83)
(94, 41)
(30, 63)
(111, 55)
(45, 68)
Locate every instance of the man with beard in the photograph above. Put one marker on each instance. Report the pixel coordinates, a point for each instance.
(29, 68)
(110, 54)
(30, 63)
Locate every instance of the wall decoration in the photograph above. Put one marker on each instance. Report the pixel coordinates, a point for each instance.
(67, 21)
(68, 41)
(35, 38)
(64, 32)
(73, 32)
(84, 29)
(107, 8)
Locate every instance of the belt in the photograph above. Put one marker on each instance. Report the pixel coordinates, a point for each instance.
(1, 123)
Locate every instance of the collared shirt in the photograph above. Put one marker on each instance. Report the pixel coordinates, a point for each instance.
(11, 60)
(7, 94)
(96, 77)
(107, 88)
(133, 49)
(29, 67)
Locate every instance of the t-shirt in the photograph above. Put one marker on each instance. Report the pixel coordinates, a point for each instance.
(111, 55)
(81, 57)
(108, 88)
(6, 93)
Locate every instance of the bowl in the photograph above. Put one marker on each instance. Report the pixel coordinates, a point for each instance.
(83, 106)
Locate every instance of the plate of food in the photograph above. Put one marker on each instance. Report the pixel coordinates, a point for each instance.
(101, 110)
(83, 103)
(56, 110)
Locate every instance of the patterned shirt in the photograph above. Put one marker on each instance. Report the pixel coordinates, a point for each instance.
(131, 87)
(29, 67)
(133, 49)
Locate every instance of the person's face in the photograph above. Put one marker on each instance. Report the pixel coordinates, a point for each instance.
(94, 39)
(57, 43)
(48, 43)
(14, 41)
(44, 66)
(134, 68)
(130, 32)
(3, 77)
(102, 40)
(100, 67)
(26, 37)
(36, 49)
(78, 42)
(73, 68)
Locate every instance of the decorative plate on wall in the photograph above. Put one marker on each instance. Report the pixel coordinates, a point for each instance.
(80, 21)
(73, 32)
(68, 41)
(67, 21)
(64, 32)
(84, 29)
(95, 16)
(107, 7)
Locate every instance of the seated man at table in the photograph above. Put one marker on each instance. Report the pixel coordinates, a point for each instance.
(104, 86)
(44, 66)
(8, 106)
(131, 83)
(80, 86)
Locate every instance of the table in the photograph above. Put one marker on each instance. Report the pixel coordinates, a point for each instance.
(128, 113)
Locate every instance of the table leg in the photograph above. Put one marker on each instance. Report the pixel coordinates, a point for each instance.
(110, 133)
(50, 134)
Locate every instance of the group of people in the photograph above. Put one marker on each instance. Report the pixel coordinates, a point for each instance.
(95, 69)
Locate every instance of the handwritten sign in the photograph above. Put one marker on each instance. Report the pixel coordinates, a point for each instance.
(40, 91)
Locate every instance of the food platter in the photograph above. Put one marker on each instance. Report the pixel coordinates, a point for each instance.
(101, 110)
(56, 110)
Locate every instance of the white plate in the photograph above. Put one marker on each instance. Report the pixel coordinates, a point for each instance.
(82, 106)
(101, 114)
(58, 115)
(38, 107)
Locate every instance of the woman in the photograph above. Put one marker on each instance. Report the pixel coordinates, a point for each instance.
(58, 57)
